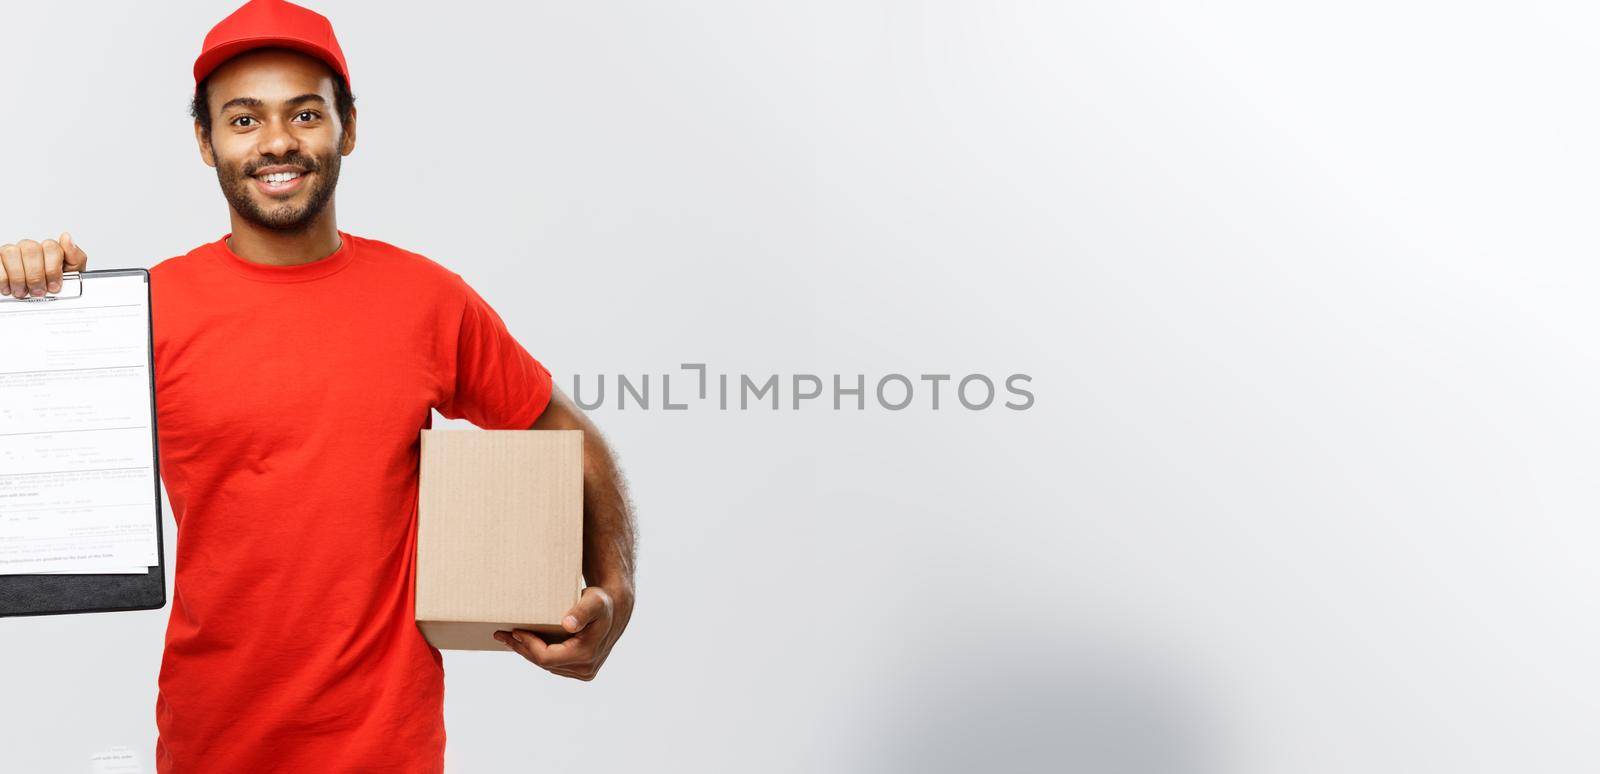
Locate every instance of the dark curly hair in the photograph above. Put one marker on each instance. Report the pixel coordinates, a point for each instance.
(343, 101)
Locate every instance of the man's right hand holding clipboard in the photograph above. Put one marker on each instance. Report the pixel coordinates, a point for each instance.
(29, 268)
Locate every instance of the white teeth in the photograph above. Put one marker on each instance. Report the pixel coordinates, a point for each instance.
(280, 177)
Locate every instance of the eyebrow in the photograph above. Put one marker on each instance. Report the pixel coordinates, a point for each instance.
(256, 103)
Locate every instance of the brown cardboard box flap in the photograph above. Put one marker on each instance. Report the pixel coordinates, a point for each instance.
(499, 534)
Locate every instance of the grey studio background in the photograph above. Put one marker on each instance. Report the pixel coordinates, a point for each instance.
(1305, 289)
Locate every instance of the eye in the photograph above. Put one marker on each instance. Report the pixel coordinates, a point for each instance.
(314, 115)
(236, 121)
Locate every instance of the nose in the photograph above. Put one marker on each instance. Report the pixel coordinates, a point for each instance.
(275, 139)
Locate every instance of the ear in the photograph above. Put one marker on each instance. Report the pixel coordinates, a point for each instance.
(349, 143)
(206, 153)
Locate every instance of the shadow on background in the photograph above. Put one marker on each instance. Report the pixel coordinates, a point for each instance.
(1068, 711)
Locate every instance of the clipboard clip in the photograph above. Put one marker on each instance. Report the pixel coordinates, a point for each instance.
(66, 276)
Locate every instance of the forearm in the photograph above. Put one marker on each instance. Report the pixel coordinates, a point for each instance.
(609, 530)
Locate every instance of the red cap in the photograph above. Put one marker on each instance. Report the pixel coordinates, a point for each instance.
(263, 23)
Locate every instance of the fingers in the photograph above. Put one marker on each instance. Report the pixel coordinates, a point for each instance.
(75, 258)
(575, 650)
(29, 268)
(572, 657)
(52, 265)
(531, 647)
(11, 260)
(32, 266)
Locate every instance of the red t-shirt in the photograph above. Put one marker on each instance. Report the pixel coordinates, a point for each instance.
(290, 401)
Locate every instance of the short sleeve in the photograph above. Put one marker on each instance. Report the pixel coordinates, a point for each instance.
(497, 384)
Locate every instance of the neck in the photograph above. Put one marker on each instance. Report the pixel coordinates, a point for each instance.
(259, 244)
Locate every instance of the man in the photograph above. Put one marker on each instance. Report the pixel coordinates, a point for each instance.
(295, 365)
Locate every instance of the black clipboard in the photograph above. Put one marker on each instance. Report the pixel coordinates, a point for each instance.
(49, 594)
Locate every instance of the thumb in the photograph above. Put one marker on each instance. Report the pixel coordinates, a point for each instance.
(73, 257)
(592, 605)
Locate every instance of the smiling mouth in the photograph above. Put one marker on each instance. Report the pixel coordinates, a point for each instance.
(280, 182)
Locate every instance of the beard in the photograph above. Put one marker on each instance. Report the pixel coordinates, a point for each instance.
(237, 180)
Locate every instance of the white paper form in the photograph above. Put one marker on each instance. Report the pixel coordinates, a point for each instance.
(77, 478)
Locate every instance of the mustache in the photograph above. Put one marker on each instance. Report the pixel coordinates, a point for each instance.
(304, 162)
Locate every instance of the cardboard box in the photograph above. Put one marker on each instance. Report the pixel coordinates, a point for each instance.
(499, 534)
